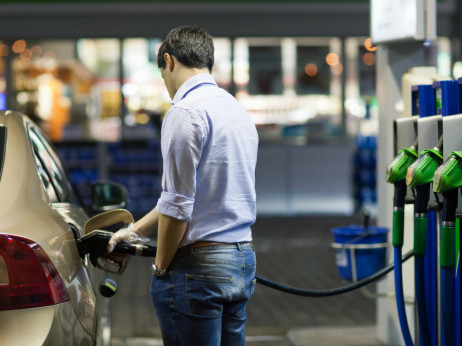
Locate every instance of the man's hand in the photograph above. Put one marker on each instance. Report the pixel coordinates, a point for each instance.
(128, 235)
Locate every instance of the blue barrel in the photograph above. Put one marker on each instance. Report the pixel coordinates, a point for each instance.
(369, 249)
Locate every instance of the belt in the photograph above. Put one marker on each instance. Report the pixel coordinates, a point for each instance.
(202, 243)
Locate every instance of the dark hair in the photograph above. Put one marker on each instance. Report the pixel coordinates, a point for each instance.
(191, 45)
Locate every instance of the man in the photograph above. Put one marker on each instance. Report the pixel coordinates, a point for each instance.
(204, 271)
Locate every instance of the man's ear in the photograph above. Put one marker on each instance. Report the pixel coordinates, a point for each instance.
(170, 62)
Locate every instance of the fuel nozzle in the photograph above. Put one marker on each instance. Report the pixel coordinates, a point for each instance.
(98, 232)
(95, 244)
(396, 174)
(397, 169)
(422, 170)
(419, 176)
(447, 180)
(449, 174)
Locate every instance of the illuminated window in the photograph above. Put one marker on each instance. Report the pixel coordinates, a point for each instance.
(313, 72)
(222, 65)
(42, 80)
(265, 70)
(100, 59)
(145, 95)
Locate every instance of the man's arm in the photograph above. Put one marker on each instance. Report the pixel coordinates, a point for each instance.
(148, 224)
(169, 236)
(142, 228)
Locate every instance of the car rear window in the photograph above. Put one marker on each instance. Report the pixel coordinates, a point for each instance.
(2, 148)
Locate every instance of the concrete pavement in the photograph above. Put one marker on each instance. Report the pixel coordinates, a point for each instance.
(294, 251)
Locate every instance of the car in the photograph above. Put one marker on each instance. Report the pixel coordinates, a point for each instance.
(48, 289)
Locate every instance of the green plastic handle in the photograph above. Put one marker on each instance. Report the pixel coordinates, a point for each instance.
(447, 250)
(397, 169)
(398, 228)
(423, 169)
(449, 174)
(420, 236)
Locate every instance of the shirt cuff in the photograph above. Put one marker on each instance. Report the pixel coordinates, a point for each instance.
(177, 206)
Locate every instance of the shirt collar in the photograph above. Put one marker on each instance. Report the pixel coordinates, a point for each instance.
(192, 83)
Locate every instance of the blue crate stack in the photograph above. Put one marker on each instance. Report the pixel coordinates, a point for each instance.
(364, 174)
(136, 164)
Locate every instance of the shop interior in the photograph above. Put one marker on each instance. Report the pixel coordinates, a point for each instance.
(101, 101)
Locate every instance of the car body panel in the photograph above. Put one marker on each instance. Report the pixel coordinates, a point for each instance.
(26, 211)
(48, 326)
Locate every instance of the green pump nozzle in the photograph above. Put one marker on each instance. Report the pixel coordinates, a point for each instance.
(397, 169)
(449, 174)
(396, 174)
(419, 176)
(422, 170)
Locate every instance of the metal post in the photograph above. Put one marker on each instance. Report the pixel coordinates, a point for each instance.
(393, 60)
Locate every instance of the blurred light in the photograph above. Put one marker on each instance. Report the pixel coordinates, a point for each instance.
(427, 43)
(49, 54)
(157, 47)
(142, 118)
(443, 62)
(4, 50)
(36, 51)
(369, 58)
(457, 69)
(129, 89)
(356, 107)
(22, 97)
(368, 45)
(241, 62)
(2, 101)
(337, 69)
(23, 64)
(311, 69)
(332, 59)
(130, 120)
(18, 46)
(26, 54)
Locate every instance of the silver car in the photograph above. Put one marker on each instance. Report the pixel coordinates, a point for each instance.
(48, 289)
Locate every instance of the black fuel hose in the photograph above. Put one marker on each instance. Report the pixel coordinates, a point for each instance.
(331, 291)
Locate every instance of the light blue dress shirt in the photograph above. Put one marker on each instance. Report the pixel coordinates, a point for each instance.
(209, 149)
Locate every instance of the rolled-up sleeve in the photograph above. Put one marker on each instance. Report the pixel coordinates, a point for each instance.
(183, 135)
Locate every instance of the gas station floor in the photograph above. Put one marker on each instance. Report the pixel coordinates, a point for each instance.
(291, 250)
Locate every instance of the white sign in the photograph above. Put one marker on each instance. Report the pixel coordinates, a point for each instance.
(393, 20)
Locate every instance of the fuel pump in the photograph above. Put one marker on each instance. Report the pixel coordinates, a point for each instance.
(396, 174)
(419, 177)
(447, 180)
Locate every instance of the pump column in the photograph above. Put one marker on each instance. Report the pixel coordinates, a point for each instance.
(448, 180)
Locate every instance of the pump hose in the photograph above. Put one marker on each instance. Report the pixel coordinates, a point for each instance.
(398, 240)
(447, 261)
(420, 300)
(447, 306)
(400, 297)
(420, 248)
(332, 291)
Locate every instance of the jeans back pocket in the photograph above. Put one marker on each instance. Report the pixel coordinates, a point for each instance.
(205, 295)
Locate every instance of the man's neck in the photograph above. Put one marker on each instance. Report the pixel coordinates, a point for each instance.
(185, 73)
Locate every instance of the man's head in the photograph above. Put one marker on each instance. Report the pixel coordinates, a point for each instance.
(192, 46)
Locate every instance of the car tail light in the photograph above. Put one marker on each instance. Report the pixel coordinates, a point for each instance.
(27, 277)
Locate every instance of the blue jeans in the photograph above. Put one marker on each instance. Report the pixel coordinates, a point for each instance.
(202, 298)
